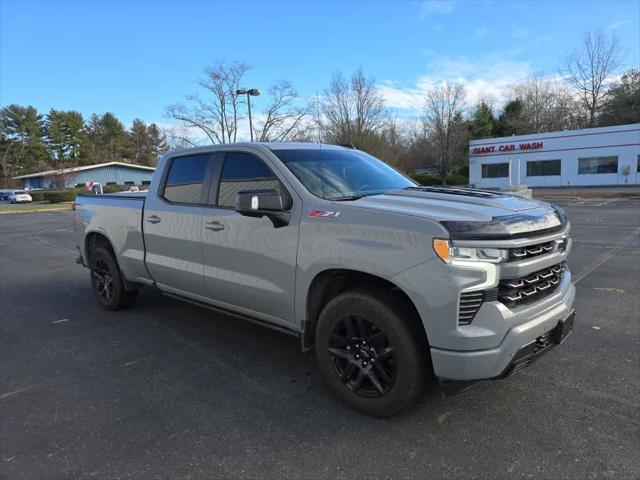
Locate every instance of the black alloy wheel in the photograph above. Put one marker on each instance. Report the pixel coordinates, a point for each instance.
(372, 350)
(103, 280)
(107, 281)
(362, 356)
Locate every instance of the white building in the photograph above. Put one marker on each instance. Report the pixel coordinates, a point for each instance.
(593, 156)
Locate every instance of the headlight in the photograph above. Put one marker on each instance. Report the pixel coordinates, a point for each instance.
(448, 253)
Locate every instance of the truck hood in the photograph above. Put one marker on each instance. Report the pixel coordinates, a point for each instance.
(470, 213)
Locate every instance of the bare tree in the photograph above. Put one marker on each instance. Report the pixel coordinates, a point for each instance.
(443, 119)
(589, 70)
(547, 105)
(393, 146)
(284, 119)
(215, 113)
(419, 151)
(353, 110)
(180, 136)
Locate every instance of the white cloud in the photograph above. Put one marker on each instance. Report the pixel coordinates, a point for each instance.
(430, 7)
(481, 32)
(618, 24)
(487, 77)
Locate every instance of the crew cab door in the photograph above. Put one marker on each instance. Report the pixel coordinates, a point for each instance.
(249, 265)
(173, 223)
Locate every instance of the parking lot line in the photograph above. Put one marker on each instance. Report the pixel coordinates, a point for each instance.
(602, 259)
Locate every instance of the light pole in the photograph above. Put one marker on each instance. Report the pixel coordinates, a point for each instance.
(252, 92)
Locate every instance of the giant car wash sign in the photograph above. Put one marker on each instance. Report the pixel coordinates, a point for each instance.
(510, 147)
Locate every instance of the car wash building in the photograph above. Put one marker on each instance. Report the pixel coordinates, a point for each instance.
(587, 157)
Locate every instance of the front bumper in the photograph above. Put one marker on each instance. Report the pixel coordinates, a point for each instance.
(495, 362)
(541, 345)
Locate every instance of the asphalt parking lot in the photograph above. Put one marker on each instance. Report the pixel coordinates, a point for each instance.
(169, 390)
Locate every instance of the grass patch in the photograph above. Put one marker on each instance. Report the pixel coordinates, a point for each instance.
(6, 209)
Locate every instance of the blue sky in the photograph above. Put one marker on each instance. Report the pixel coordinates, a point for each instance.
(133, 58)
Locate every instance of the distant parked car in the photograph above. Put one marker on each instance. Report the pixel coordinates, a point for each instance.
(5, 194)
(20, 196)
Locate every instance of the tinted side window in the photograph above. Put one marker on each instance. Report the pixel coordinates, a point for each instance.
(243, 171)
(540, 168)
(597, 165)
(186, 179)
(495, 170)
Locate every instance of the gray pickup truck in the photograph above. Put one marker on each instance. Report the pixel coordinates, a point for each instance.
(392, 283)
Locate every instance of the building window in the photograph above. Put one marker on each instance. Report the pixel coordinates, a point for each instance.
(638, 164)
(129, 183)
(243, 171)
(596, 165)
(495, 170)
(543, 168)
(185, 179)
(146, 182)
(111, 183)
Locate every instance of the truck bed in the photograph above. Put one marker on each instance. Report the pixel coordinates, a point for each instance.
(118, 217)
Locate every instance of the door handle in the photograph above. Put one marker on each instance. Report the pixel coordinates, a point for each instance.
(153, 219)
(215, 226)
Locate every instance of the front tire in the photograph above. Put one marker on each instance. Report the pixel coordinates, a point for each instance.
(371, 351)
(107, 282)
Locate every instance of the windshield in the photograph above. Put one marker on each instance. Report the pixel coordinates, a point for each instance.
(19, 192)
(341, 174)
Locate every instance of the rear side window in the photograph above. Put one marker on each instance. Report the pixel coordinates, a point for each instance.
(243, 171)
(186, 179)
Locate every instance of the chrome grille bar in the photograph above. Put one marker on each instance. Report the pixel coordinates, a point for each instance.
(536, 286)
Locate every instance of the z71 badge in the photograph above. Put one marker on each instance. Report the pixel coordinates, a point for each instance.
(323, 214)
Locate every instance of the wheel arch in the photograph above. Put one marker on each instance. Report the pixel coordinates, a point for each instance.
(329, 283)
(95, 239)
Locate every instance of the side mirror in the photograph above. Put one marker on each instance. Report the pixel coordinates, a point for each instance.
(265, 203)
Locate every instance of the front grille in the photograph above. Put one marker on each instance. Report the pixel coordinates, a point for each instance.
(536, 286)
(470, 303)
(517, 254)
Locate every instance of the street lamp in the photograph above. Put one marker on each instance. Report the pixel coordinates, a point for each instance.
(252, 92)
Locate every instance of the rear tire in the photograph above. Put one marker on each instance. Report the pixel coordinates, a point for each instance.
(107, 282)
(371, 351)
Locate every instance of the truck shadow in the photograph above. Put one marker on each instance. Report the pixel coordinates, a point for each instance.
(260, 361)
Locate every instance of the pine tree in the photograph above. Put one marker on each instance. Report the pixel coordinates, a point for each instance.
(483, 124)
(511, 121)
(22, 149)
(623, 101)
(157, 142)
(66, 137)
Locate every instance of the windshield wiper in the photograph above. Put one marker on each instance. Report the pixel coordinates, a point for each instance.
(346, 198)
(356, 196)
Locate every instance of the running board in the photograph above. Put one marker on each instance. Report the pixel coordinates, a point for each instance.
(256, 321)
